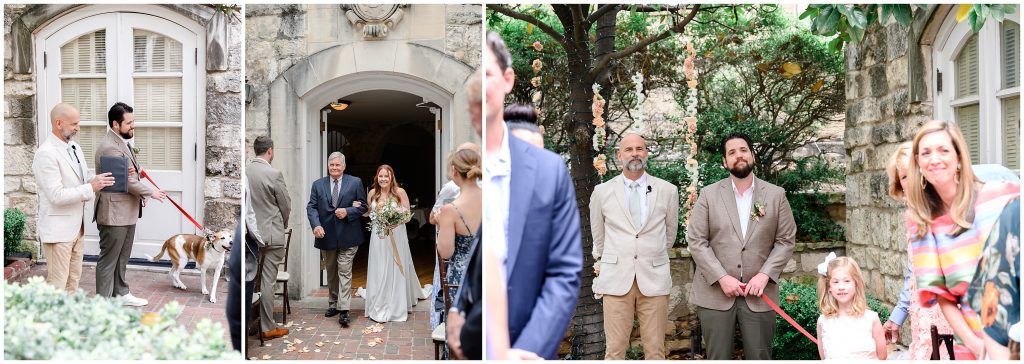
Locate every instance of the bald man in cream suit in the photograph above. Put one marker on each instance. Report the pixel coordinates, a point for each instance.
(634, 218)
(64, 184)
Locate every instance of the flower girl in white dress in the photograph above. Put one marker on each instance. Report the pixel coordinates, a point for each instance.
(847, 329)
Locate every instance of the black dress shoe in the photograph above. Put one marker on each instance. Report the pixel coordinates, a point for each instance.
(343, 320)
(331, 312)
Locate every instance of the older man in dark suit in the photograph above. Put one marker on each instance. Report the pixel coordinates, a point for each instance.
(336, 204)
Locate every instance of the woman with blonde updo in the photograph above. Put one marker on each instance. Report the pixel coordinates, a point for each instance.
(459, 222)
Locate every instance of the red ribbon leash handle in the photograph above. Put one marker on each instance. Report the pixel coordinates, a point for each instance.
(194, 222)
(784, 315)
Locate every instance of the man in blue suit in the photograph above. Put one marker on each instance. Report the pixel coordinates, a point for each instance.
(336, 204)
(532, 223)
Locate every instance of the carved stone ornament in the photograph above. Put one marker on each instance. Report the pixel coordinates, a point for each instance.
(374, 20)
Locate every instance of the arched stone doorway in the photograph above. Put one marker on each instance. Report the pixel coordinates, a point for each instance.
(387, 127)
(297, 98)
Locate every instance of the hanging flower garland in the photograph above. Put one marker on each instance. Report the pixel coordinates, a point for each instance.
(597, 108)
(638, 91)
(690, 119)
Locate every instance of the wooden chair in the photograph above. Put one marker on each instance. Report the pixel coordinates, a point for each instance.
(440, 335)
(257, 295)
(283, 276)
(939, 339)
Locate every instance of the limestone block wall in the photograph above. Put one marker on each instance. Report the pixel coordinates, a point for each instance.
(880, 115)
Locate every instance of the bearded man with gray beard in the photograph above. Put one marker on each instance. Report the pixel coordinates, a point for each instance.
(634, 218)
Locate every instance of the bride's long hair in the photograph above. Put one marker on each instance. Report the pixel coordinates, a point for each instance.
(392, 187)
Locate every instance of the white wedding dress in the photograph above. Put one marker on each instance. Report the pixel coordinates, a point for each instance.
(390, 292)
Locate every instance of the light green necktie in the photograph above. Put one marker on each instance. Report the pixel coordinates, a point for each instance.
(634, 203)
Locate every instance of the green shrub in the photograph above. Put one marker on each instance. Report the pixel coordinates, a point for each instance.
(14, 230)
(789, 343)
(43, 322)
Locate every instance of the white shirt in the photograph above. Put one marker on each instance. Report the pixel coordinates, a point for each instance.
(449, 192)
(497, 179)
(642, 190)
(75, 153)
(743, 205)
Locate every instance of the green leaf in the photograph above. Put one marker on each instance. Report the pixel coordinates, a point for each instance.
(887, 11)
(857, 34)
(810, 12)
(872, 13)
(857, 19)
(829, 21)
(998, 12)
(976, 21)
(982, 11)
(903, 14)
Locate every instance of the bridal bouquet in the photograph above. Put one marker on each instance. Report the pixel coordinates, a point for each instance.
(386, 216)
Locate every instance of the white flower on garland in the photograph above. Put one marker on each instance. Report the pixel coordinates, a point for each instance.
(638, 91)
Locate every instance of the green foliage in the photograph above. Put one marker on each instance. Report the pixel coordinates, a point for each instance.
(848, 22)
(800, 301)
(14, 230)
(43, 322)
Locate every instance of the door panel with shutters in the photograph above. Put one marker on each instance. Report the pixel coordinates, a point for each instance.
(149, 63)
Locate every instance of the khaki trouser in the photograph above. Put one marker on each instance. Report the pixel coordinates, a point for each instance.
(339, 277)
(618, 323)
(275, 256)
(64, 262)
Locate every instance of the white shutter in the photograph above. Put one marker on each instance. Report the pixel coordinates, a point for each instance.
(1011, 132)
(86, 54)
(159, 148)
(157, 99)
(1010, 38)
(156, 53)
(967, 69)
(967, 117)
(89, 137)
(89, 95)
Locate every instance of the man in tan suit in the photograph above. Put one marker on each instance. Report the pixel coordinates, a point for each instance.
(118, 212)
(740, 247)
(634, 218)
(64, 184)
(270, 202)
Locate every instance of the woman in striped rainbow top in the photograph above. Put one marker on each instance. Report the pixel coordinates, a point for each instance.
(950, 214)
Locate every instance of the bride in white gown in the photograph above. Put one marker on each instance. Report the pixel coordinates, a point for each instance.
(392, 286)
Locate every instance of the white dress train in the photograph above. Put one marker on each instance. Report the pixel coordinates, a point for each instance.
(390, 292)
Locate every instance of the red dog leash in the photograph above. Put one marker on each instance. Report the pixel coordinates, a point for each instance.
(784, 315)
(146, 176)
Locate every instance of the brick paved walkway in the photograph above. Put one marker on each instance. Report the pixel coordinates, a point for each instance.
(153, 284)
(313, 336)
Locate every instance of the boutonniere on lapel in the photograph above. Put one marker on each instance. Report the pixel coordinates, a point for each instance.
(136, 150)
(757, 212)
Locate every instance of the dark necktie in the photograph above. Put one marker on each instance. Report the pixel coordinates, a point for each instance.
(334, 193)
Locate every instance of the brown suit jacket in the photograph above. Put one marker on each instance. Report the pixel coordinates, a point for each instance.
(115, 208)
(269, 201)
(718, 249)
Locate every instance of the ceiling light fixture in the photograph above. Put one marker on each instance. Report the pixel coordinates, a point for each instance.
(340, 105)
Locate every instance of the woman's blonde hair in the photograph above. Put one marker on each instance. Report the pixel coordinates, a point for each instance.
(900, 159)
(829, 305)
(923, 201)
(466, 163)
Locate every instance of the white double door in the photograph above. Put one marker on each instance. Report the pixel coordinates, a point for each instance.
(150, 63)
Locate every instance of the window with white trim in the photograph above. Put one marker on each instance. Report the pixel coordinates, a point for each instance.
(978, 85)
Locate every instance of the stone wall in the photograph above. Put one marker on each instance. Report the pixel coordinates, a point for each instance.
(223, 184)
(279, 36)
(222, 189)
(19, 131)
(879, 116)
